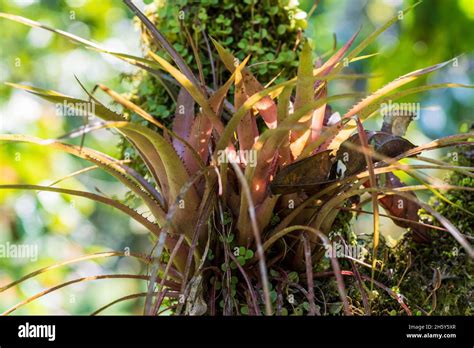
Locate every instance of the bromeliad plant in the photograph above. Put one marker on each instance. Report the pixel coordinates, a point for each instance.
(243, 214)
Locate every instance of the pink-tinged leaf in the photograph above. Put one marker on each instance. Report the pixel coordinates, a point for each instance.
(247, 131)
(216, 101)
(265, 106)
(320, 87)
(183, 120)
(317, 119)
(201, 129)
(195, 91)
(268, 147)
(304, 95)
(335, 59)
(399, 206)
(199, 136)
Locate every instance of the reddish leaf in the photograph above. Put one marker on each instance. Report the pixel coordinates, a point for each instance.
(199, 139)
(401, 207)
(266, 106)
(183, 120)
(247, 131)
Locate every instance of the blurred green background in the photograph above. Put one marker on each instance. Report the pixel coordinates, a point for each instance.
(64, 227)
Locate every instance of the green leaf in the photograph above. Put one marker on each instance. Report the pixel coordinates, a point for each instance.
(293, 277)
(305, 82)
(281, 29)
(335, 308)
(130, 212)
(249, 254)
(298, 311)
(244, 310)
(179, 143)
(105, 162)
(273, 296)
(377, 95)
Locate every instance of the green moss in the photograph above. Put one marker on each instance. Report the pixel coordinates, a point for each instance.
(434, 279)
(443, 259)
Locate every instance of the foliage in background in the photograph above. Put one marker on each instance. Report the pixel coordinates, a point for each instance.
(428, 35)
(61, 226)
